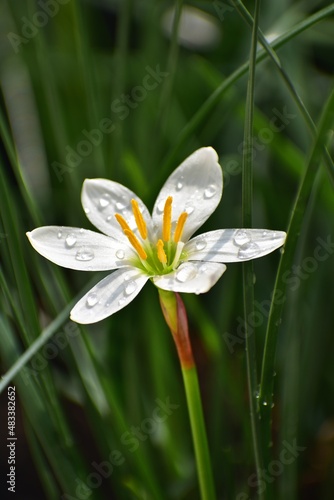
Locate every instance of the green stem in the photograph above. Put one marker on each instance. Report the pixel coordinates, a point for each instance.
(194, 403)
(176, 317)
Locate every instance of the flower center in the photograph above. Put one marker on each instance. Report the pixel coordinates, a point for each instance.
(163, 256)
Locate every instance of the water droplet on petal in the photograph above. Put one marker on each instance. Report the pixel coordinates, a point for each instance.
(210, 191)
(104, 201)
(200, 244)
(265, 403)
(161, 206)
(70, 240)
(190, 210)
(122, 301)
(120, 254)
(241, 237)
(86, 210)
(248, 250)
(92, 299)
(107, 304)
(179, 184)
(203, 268)
(108, 219)
(264, 233)
(130, 288)
(84, 254)
(120, 205)
(59, 235)
(81, 231)
(186, 273)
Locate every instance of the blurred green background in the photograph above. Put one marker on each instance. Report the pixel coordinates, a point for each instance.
(126, 90)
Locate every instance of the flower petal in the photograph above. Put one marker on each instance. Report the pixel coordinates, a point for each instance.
(196, 187)
(233, 245)
(102, 199)
(109, 296)
(80, 249)
(191, 277)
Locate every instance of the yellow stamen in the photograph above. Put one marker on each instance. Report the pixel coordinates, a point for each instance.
(161, 252)
(141, 224)
(167, 219)
(179, 226)
(136, 244)
(122, 222)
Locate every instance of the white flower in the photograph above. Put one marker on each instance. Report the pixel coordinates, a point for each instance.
(157, 247)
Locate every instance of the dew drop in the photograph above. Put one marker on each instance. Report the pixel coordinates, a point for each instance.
(265, 233)
(248, 250)
(81, 231)
(200, 244)
(86, 210)
(241, 237)
(104, 201)
(190, 210)
(70, 240)
(84, 254)
(122, 301)
(265, 403)
(179, 184)
(107, 304)
(59, 235)
(160, 207)
(108, 219)
(210, 191)
(203, 268)
(120, 254)
(130, 288)
(186, 273)
(92, 299)
(120, 205)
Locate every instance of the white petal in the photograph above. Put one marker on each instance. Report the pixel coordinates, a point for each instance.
(102, 199)
(233, 245)
(191, 277)
(196, 187)
(109, 296)
(80, 249)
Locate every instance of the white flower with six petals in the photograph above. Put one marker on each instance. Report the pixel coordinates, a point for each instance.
(157, 247)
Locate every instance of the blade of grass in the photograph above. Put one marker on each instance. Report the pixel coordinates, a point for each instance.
(298, 100)
(294, 229)
(215, 97)
(248, 272)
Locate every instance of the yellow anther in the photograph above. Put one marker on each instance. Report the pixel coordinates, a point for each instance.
(136, 244)
(179, 226)
(141, 224)
(122, 222)
(167, 219)
(161, 252)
